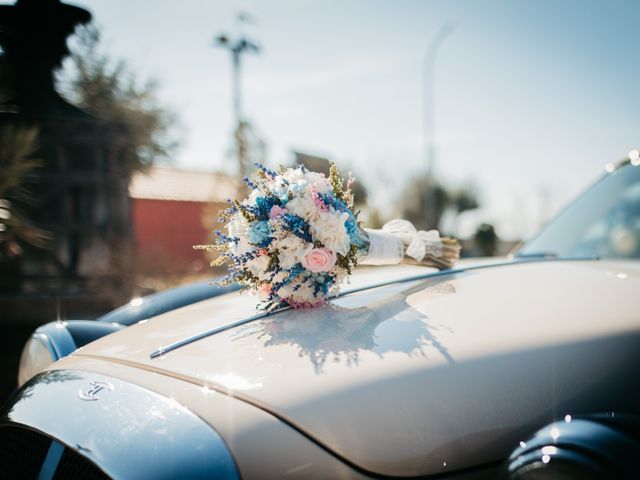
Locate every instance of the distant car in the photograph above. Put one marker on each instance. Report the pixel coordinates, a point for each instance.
(521, 368)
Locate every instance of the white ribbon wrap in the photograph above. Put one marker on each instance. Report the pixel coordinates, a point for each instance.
(419, 243)
(387, 246)
(384, 249)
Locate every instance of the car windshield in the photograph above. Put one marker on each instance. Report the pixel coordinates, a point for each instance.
(604, 222)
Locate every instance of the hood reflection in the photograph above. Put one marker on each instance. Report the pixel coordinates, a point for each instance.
(380, 322)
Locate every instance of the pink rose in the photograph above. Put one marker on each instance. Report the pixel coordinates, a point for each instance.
(319, 260)
(264, 291)
(277, 211)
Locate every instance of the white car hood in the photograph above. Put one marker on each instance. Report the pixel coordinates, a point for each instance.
(418, 377)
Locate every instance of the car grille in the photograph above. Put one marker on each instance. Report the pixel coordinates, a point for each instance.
(23, 452)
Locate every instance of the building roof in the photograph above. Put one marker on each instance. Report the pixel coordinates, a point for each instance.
(162, 183)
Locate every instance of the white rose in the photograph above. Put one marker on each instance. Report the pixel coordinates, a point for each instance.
(291, 250)
(284, 291)
(299, 292)
(303, 207)
(318, 181)
(292, 175)
(303, 294)
(258, 265)
(329, 230)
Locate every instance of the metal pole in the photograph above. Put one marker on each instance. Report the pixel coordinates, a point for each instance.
(429, 150)
(237, 47)
(428, 72)
(237, 87)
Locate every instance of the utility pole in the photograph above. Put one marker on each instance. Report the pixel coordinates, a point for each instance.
(429, 150)
(428, 72)
(237, 46)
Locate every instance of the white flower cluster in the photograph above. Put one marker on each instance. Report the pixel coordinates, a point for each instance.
(289, 234)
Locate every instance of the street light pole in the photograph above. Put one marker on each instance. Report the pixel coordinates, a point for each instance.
(429, 150)
(238, 46)
(428, 72)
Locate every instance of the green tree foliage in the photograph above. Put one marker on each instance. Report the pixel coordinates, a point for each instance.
(17, 185)
(109, 90)
(424, 201)
(486, 240)
(463, 199)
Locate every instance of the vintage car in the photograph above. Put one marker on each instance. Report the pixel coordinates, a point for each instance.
(522, 368)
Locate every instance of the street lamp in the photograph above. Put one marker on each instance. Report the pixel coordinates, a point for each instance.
(428, 133)
(428, 81)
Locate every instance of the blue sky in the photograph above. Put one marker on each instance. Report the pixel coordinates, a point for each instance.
(533, 97)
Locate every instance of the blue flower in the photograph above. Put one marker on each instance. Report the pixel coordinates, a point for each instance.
(264, 205)
(258, 233)
(297, 226)
(269, 173)
(334, 202)
(352, 228)
(249, 183)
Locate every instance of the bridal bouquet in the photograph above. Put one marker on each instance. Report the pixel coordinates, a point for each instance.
(297, 236)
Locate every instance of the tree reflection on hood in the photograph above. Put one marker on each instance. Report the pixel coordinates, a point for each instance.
(349, 326)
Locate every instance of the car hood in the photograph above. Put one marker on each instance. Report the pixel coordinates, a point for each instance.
(417, 377)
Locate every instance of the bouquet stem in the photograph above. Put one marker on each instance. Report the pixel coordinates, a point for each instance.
(399, 242)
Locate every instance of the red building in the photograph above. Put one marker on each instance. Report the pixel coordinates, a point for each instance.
(172, 211)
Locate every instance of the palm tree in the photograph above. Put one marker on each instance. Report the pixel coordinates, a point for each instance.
(17, 180)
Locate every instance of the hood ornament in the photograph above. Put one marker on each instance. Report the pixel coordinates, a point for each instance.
(91, 395)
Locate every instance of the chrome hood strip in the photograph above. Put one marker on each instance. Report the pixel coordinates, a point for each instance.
(163, 350)
(194, 338)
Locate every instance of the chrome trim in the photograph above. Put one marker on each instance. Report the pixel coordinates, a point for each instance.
(589, 446)
(207, 333)
(130, 433)
(65, 337)
(425, 276)
(51, 461)
(59, 341)
(46, 341)
(91, 395)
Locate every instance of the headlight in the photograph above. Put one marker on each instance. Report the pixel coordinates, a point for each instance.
(56, 340)
(598, 446)
(37, 354)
